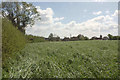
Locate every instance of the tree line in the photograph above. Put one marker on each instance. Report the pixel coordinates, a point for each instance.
(81, 37)
(57, 38)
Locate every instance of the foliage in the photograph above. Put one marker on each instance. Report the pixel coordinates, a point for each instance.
(53, 38)
(21, 14)
(86, 38)
(80, 37)
(50, 37)
(31, 39)
(73, 59)
(111, 37)
(12, 39)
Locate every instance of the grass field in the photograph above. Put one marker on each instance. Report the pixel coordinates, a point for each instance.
(77, 59)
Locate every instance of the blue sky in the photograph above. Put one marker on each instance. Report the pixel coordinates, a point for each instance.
(65, 18)
(78, 11)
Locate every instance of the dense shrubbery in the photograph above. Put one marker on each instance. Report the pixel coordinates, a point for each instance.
(12, 39)
(31, 38)
(111, 37)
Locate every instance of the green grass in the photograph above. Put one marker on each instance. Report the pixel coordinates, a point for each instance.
(12, 39)
(77, 59)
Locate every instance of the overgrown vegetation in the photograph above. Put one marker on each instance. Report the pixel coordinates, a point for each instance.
(12, 39)
(73, 59)
(111, 37)
(33, 39)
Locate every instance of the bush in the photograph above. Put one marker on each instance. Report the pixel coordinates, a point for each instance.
(12, 39)
(33, 39)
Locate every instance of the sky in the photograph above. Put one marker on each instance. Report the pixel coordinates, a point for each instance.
(62, 0)
(65, 18)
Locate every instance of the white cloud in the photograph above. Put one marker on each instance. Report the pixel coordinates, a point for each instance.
(72, 24)
(89, 28)
(115, 13)
(58, 19)
(97, 13)
(46, 15)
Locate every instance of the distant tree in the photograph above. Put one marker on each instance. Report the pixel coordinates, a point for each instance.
(100, 36)
(31, 38)
(105, 38)
(21, 14)
(110, 36)
(86, 38)
(118, 37)
(74, 38)
(80, 37)
(115, 37)
(93, 38)
(51, 38)
(57, 38)
(66, 39)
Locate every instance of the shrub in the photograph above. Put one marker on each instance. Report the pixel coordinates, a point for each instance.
(33, 39)
(12, 39)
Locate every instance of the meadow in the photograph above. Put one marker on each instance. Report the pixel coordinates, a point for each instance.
(72, 59)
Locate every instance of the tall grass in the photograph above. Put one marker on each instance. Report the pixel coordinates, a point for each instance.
(78, 59)
(12, 40)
